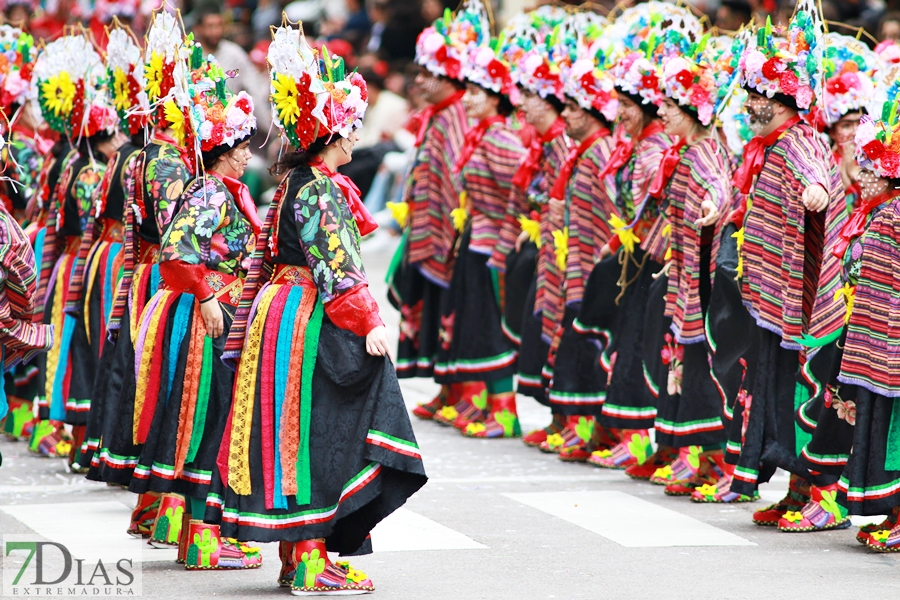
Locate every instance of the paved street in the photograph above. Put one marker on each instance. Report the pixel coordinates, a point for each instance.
(497, 520)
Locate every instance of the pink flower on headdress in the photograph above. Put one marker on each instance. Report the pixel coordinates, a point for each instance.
(754, 61)
(699, 97)
(804, 97)
(433, 41)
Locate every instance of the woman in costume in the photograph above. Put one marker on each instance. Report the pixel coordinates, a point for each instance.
(311, 352)
(184, 392)
(473, 346)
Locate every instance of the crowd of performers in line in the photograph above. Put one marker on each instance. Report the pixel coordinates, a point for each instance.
(206, 360)
(681, 232)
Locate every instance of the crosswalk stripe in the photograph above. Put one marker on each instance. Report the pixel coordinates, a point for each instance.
(407, 531)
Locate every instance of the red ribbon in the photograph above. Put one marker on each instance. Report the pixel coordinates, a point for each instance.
(530, 164)
(856, 224)
(670, 159)
(364, 220)
(625, 147)
(432, 110)
(755, 156)
(558, 192)
(244, 201)
(473, 138)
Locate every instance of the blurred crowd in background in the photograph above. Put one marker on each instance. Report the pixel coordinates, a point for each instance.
(377, 37)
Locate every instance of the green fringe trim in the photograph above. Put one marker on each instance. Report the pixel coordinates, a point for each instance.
(202, 401)
(310, 354)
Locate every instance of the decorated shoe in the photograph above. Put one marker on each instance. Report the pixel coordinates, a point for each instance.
(663, 456)
(144, 515)
(577, 453)
(288, 564)
(317, 575)
(501, 422)
(20, 413)
(720, 493)
(539, 436)
(207, 550)
(634, 449)
(427, 410)
(50, 439)
(821, 513)
(866, 531)
(166, 530)
(796, 498)
(478, 413)
(885, 540)
(682, 468)
(578, 431)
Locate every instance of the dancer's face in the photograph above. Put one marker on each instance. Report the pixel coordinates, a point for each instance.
(578, 121)
(761, 111)
(844, 131)
(533, 107)
(871, 185)
(631, 117)
(677, 123)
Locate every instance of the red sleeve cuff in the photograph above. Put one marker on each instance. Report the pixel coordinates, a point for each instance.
(615, 243)
(355, 310)
(187, 278)
(737, 215)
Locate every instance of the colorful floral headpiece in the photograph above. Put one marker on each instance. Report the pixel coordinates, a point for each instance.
(790, 66)
(888, 51)
(125, 68)
(217, 116)
(17, 55)
(70, 78)
(486, 67)
(165, 68)
(878, 134)
(444, 47)
(348, 96)
(652, 20)
(525, 48)
(297, 94)
(587, 81)
(637, 75)
(850, 68)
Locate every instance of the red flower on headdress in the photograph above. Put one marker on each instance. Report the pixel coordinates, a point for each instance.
(218, 134)
(699, 96)
(441, 54)
(452, 68)
(890, 162)
(497, 70)
(874, 149)
(542, 72)
(770, 68)
(244, 105)
(685, 78)
(588, 82)
(650, 82)
(836, 85)
(789, 83)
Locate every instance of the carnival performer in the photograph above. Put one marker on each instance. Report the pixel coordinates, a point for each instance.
(161, 173)
(541, 103)
(22, 336)
(311, 350)
(96, 273)
(184, 392)
(694, 185)
(783, 251)
(473, 346)
(829, 416)
(91, 124)
(864, 394)
(424, 261)
(574, 230)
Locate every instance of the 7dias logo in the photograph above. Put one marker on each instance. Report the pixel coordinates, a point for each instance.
(35, 569)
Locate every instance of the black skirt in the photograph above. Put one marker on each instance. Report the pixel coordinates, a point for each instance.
(521, 269)
(419, 301)
(578, 386)
(473, 346)
(363, 457)
(533, 352)
(769, 442)
(867, 487)
(629, 401)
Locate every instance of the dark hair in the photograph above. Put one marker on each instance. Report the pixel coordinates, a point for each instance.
(302, 158)
(211, 156)
(456, 82)
(505, 106)
(593, 112)
(373, 79)
(557, 104)
(204, 10)
(649, 109)
(89, 144)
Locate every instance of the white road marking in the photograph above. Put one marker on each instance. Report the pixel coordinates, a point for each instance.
(407, 531)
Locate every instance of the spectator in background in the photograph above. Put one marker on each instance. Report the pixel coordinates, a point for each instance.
(354, 28)
(395, 26)
(889, 26)
(432, 10)
(732, 14)
(18, 13)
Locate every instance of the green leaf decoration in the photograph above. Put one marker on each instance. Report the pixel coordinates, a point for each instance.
(507, 420)
(480, 400)
(693, 457)
(830, 504)
(584, 429)
(638, 447)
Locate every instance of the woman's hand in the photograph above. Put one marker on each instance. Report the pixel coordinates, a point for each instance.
(557, 211)
(523, 237)
(710, 213)
(377, 341)
(212, 318)
(605, 251)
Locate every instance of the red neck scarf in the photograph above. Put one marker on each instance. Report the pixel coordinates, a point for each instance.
(531, 162)
(243, 199)
(432, 110)
(473, 138)
(186, 158)
(558, 192)
(755, 156)
(364, 220)
(43, 144)
(670, 159)
(856, 224)
(625, 147)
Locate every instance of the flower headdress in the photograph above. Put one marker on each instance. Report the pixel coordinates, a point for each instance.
(790, 66)
(17, 55)
(850, 68)
(587, 81)
(125, 69)
(165, 68)
(888, 51)
(485, 64)
(444, 47)
(878, 134)
(348, 96)
(526, 49)
(70, 78)
(297, 94)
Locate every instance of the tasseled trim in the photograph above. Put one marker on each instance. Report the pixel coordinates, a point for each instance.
(58, 356)
(267, 391)
(282, 369)
(193, 372)
(202, 404)
(150, 336)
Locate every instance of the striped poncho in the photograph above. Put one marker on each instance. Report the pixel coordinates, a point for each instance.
(432, 193)
(487, 179)
(702, 174)
(783, 249)
(587, 221)
(521, 202)
(872, 348)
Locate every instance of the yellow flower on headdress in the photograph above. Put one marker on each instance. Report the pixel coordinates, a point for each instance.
(154, 75)
(176, 120)
(285, 98)
(121, 96)
(59, 93)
